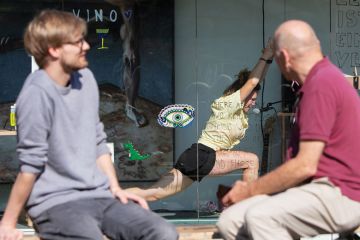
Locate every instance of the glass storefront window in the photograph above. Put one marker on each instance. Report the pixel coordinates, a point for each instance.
(154, 58)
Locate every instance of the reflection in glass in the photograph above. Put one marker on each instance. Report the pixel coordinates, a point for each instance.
(102, 33)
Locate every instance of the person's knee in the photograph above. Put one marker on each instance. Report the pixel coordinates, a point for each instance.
(225, 225)
(164, 231)
(169, 233)
(222, 224)
(254, 218)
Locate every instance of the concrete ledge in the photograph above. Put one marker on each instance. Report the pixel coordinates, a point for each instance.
(196, 232)
(186, 232)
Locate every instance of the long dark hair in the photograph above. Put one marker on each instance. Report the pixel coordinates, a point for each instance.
(242, 77)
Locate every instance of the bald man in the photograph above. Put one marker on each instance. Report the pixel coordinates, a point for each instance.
(317, 190)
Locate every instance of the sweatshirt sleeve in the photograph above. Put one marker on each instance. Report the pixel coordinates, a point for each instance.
(101, 140)
(34, 117)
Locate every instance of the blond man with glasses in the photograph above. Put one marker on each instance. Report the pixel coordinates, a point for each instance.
(67, 181)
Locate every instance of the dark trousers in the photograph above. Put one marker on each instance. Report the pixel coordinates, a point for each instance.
(93, 218)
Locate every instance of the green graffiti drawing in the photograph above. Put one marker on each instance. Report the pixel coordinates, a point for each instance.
(133, 153)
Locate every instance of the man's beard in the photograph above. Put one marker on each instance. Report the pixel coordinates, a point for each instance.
(69, 68)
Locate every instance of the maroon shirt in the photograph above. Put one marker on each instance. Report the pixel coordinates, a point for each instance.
(328, 110)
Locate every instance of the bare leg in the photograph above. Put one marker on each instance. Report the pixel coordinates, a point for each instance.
(169, 184)
(228, 161)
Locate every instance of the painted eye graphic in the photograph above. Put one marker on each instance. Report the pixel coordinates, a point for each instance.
(177, 115)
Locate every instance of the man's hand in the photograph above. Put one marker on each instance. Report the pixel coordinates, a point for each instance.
(124, 196)
(238, 192)
(9, 233)
(19, 193)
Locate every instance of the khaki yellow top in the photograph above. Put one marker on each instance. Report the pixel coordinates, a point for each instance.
(227, 124)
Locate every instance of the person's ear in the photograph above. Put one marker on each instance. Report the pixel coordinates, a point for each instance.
(54, 52)
(285, 59)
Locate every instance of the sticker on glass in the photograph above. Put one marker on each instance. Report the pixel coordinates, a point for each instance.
(177, 115)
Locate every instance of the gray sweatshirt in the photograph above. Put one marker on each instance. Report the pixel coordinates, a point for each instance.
(60, 136)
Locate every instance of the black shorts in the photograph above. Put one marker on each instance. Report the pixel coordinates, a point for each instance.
(187, 162)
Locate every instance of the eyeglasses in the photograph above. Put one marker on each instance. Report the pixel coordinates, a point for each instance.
(79, 43)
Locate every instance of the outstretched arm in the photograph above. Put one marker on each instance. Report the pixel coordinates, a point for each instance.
(258, 72)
